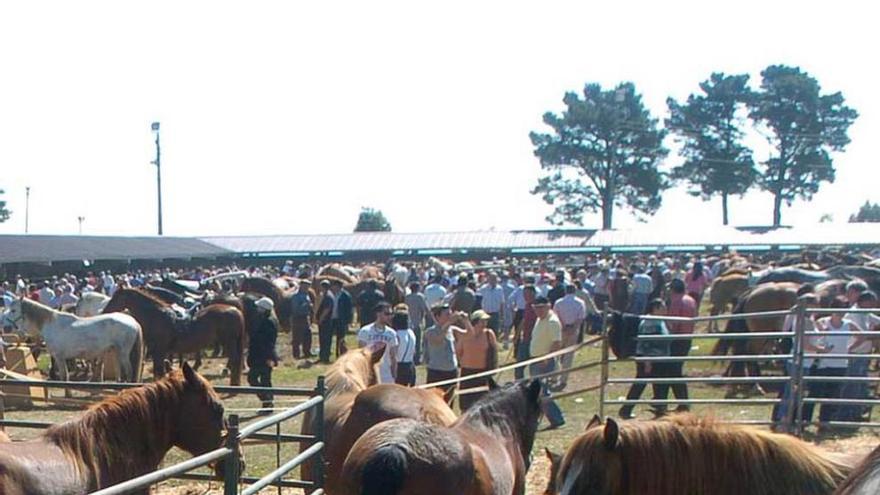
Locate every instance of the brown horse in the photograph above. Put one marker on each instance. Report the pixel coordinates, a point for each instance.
(118, 439)
(765, 297)
(281, 298)
(487, 451)
(165, 335)
(354, 403)
(684, 454)
(865, 478)
(726, 290)
(555, 461)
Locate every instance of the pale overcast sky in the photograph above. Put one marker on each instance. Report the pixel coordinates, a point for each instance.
(287, 117)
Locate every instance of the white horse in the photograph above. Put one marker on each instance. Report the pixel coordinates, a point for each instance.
(68, 336)
(91, 304)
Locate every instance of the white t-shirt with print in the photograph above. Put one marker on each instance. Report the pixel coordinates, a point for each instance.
(370, 334)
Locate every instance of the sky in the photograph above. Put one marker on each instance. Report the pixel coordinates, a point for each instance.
(288, 117)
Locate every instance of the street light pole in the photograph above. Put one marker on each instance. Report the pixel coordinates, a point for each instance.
(158, 164)
(80, 220)
(27, 207)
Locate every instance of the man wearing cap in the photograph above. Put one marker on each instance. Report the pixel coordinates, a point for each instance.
(477, 352)
(546, 338)
(262, 356)
(301, 321)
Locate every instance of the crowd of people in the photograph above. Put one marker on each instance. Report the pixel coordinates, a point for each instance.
(458, 321)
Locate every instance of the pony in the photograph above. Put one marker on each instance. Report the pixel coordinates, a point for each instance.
(765, 297)
(68, 336)
(687, 454)
(354, 403)
(864, 479)
(165, 334)
(486, 451)
(121, 438)
(91, 304)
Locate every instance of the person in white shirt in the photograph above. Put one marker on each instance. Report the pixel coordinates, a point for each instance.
(492, 301)
(571, 312)
(642, 286)
(832, 366)
(406, 346)
(858, 367)
(380, 331)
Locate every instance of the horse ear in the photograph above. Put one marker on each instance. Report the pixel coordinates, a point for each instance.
(377, 350)
(492, 384)
(190, 375)
(596, 421)
(534, 391)
(612, 434)
(167, 367)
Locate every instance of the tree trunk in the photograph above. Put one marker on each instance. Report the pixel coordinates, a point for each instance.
(607, 211)
(724, 208)
(777, 209)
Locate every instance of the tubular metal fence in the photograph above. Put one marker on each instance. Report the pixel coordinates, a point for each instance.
(235, 438)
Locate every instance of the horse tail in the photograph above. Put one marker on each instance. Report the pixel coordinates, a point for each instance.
(236, 350)
(136, 357)
(385, 471)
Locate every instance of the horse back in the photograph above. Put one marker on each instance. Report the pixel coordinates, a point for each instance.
(40, 467)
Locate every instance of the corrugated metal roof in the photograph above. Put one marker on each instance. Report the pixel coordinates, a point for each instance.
(391, 241)
(827, 234)
(46, 248)
(681, 236)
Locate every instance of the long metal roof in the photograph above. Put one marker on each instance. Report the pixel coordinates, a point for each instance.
(49, 248)
(392, 241)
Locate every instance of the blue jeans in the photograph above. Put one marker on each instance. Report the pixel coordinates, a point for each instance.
(549, 407)
(858, 367)
(638, 302)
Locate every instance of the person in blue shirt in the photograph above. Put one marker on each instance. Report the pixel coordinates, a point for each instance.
(650, 348)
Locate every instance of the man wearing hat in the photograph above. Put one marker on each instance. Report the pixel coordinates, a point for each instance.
(262, 356)
(301, 321)
(546, 338)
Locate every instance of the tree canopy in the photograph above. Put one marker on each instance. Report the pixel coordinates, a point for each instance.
(4, 212)
(372, 220)
(869, 212)
(710, 127)
(604, 151)
(804, 127)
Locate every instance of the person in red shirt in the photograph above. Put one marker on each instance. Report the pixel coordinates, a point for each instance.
(683, 305)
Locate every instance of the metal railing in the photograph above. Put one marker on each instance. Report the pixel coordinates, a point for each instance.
(235, 440)
(798, 381)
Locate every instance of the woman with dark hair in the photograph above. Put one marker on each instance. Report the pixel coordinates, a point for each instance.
(406, 338)
(696, 281)
(832, 366)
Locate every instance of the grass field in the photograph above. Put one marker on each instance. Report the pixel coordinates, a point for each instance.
(577, 409)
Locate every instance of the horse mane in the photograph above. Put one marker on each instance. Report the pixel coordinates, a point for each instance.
(504, 410)
(102, 439)
(864, 477)
(689, 454)
(352, 372)
(144, 295)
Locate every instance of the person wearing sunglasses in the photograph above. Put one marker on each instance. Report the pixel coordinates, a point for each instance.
(380, 331)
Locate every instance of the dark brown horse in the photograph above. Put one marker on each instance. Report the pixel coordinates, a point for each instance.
(118, 439)
(684, 454)
(354, 404)
(165, 335)
(486, 452)
(865, 478)
(281, 298)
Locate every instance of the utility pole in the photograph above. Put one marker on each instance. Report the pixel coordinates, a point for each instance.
(27, 207)
(80, 220)
(158, 164)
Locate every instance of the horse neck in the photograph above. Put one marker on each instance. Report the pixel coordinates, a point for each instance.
(347, 378)
(37, 314)
(102, 439)
(503, 420)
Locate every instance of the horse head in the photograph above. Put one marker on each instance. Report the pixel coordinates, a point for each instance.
(555, 460)
(592, 465)
(201, 425)
(21, 323)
